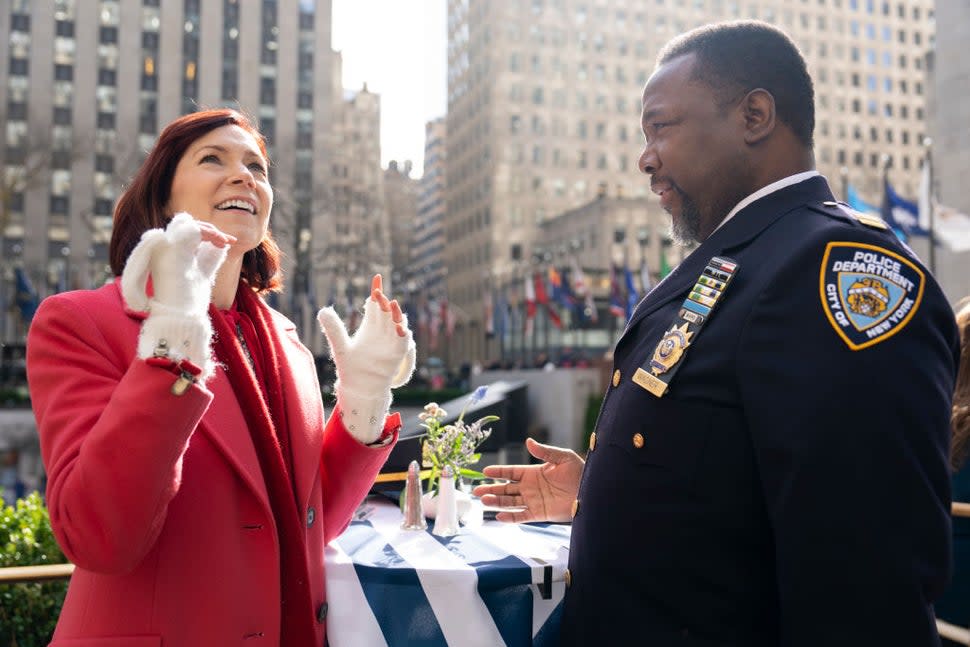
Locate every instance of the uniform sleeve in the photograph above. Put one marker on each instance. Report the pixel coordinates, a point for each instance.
(112, 438)
(852, 449)
(348, 470)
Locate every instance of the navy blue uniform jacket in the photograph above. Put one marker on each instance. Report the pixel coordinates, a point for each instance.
(790, 490)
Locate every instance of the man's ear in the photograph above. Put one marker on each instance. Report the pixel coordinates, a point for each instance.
(758, 110)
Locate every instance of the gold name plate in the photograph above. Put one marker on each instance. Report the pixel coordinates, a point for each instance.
(650, 383)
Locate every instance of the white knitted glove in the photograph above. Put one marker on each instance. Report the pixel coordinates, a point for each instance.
(182, 267)
(369, 364)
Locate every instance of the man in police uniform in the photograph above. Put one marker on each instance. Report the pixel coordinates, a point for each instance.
(770, 463)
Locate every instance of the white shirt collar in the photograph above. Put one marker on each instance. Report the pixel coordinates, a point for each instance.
(766, 190)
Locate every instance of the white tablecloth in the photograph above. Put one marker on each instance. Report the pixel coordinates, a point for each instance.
(491, 585)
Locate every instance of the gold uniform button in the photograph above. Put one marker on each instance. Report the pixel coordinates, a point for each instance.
(592, 441)
(568, 577)
(638, 440)
(575, 507)
(616, 377)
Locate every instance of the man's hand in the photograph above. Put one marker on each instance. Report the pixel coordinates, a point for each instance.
(546, 491)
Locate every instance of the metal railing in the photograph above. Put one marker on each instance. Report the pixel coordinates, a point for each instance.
(48, 572)
(43, 573)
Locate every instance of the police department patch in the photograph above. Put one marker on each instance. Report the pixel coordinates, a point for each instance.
(868, 293)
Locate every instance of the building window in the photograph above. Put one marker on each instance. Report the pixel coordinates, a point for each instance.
(63, 72)
(58, 204)
(267, 91)
(108, 35)
(19, 67)
(107, 77)
(17, 110)
(268, 127)
(104, 163)
(62, 116)
(20, 22)
(64, 28)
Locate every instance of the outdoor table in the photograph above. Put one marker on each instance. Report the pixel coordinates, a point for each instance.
(493, 584)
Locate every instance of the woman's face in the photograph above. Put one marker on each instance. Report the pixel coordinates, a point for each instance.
(223, 179)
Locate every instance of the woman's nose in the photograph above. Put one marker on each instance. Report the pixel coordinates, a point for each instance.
(242, 175)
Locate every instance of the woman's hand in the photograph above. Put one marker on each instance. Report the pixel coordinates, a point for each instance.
(535, 492)
(380, 356)
(182, 261)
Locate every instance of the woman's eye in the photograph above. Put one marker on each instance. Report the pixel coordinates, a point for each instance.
(209, 158)
(256, 167)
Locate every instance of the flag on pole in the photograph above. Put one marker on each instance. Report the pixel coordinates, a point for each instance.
(435, 326)
(900, 214)
(617, 306)
(665, 268)
(447, 318)
(584, 293)
(25, 295)
(501, 318)
(924, 196)
(645, 283)
(542, 297)
(560, 289)
(632, 298)
(488, 313)
(950, 227)
(855, 201)
(529, 294)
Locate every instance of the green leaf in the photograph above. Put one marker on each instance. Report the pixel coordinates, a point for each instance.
(28, 612)
(472, 474)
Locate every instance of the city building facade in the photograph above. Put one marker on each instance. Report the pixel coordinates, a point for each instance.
(85, 88)
(426, 265)
(544, 104)
(352, 242)
(401, 194)
(949, 144)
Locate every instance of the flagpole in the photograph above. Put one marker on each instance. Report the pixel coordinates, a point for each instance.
(928, 160)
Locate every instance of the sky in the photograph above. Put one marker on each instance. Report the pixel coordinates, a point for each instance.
(398, 47)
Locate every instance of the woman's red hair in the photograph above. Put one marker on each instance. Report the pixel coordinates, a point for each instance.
(142, 206)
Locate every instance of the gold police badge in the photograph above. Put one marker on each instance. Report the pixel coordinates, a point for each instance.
(868, 296)
(670, 349)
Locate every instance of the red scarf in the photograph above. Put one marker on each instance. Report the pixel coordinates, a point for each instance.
(264, 410)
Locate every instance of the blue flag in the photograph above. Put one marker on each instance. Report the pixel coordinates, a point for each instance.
(856, 202)
(901, 214)
(632, 298)
(25, 296)
(501, 315)
(617, 307)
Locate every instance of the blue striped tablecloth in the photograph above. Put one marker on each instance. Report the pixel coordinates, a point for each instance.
(491, 585)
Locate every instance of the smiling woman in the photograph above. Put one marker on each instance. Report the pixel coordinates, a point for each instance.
(222, 179)
(181, 424)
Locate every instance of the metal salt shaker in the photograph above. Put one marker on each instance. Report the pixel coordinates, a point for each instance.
(413, 513)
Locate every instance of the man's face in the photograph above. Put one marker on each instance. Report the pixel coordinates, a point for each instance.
(694, 150)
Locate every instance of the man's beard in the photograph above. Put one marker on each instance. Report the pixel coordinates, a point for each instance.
(686, 229)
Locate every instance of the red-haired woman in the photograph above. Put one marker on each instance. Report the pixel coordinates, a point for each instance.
(192, 477)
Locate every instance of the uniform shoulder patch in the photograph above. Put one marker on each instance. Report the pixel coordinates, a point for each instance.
(868, 293)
